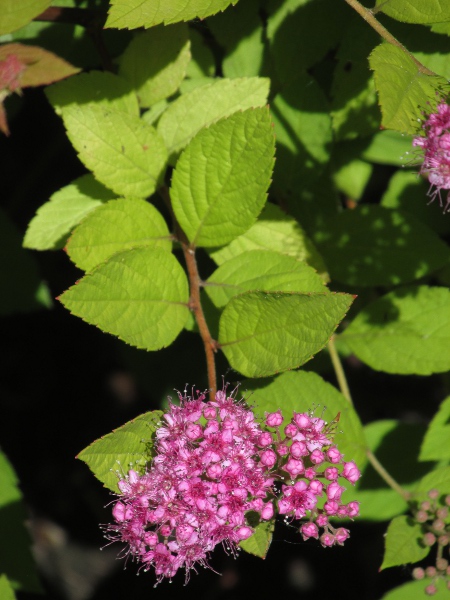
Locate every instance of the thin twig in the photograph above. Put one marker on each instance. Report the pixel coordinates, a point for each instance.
(195, 304)
(339, 371)
(345, 390)
(368, 16)
(385, 475)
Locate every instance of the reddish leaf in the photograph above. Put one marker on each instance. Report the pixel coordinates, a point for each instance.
(30, 66)
(3, 122)
(11, 69)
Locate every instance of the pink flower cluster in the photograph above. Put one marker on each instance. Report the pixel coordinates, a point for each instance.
(214, 464)
(436, 148)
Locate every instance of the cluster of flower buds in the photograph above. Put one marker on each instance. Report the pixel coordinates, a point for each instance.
(433, 516)
(436, 149)
(215, 464)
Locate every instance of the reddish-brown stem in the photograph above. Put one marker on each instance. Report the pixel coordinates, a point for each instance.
(195, 304)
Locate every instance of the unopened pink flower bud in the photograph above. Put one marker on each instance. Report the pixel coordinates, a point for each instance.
(298, 449)
(265, 439)
(294, 467)
(341, 535)
(322, 520)
(193, 432)
(309, 530)
(316, 487)
(333, 455)
(244, 532)
(268, 458)
(351, 472)
(165, 530)
(302, 420)
(290, 430)
(282, 449)
(327, 540)
(309, 473)
(331, 473)
(353, 509)
(267, 511)
(331, 507)
(334, 491)
(274, 419)
(209, 412)
(317, 457)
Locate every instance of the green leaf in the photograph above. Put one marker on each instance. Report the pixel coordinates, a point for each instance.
(116, 226)
(97, 88)
(152, 115)
(261, 270)
(230, 164)
(436, 444)
(354, 109)
(438, 479)
(258, 544)
(274, 230)
(351, 177)
(387, 148)
(301, 391)
(147, 13)
(239, 31)
(55, 219)
(16, 561)
(124, 153)
(17, 14)
(206, 105)
(416, 11)
(372, 245)
(202, 63)
(404, 91)
(404, 332)
(155, 62)
(379, 502)
(110, 457)
(140, 295)
(416, 589)
(296, 33)
(6, 591)
(263, 333)
(408, 192)
(403, 543)
(21, 287)
(303, 132)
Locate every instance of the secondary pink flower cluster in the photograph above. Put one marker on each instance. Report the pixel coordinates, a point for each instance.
(214, 465)
(436, 148)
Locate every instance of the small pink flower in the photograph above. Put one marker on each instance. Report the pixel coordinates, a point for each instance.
(334, 491)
